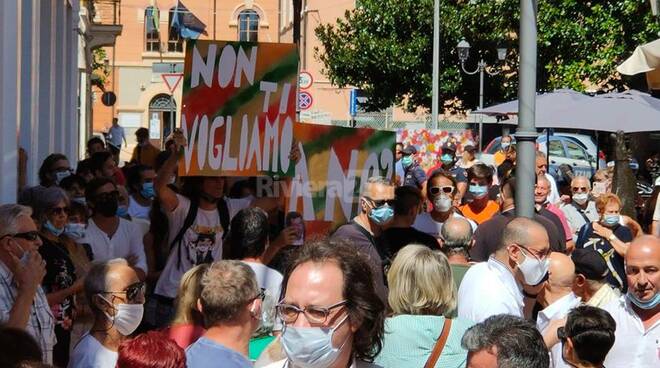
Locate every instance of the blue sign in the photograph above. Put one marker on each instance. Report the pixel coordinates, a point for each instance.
(305, 100)
(352, 104)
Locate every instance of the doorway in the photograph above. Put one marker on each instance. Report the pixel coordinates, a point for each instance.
(162, 118)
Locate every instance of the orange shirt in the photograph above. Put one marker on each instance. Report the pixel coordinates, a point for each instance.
(499, 157)
(489, 211)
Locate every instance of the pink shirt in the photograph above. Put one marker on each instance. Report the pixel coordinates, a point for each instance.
(567, 229)
(185, 335)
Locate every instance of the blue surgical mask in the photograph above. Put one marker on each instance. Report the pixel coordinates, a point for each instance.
(80, 200)
(447, 158)
(505, 145)
(147, 190)
(59, 175)
(478, 191)
(381, 215)
(406, 161)
(311, 347)
(74, 230)
(647, 305)
(52, 229)
(611, 220)
(122, 211)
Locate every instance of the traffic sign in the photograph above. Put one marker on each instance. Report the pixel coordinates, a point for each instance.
(172, 80)
(305, 100)
(108, 98)
(305, 80)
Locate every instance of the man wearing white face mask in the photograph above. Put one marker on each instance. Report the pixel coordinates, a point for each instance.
(376, 212)
(115, 295)
(230, 302)
(440, 191)
(582, 208)
(332, 317)
(496, 286)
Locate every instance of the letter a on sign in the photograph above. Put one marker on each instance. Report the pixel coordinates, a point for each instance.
(172, 80)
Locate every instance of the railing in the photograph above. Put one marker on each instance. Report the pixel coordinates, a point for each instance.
(104, 12)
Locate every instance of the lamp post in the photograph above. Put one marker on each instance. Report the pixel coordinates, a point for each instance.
(436, 64)
(463, 48)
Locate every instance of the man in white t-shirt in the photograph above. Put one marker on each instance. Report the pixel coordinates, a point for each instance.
(108, 235)
(198, 222)
(496, 286)
(116, 297)
(247, 241)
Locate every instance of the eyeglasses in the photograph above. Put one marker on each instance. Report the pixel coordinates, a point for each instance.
(59, 210)
(289, 313)
(540, 257)
(261, 295)
(133, 292)
(448, 189)
(381, 202)
(579, 189)
(28, 235)
(561, 334)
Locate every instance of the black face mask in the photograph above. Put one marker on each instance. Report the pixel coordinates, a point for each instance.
(106, 206)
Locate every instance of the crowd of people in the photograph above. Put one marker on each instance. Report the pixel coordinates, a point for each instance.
(133, 266)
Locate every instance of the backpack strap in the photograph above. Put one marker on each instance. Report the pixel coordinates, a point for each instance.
(439, 345)
(223, 213)
(187, 223)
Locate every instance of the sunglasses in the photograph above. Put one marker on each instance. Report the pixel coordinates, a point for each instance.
(445, 189)
(60, 210)
(579, 189)
(381, 202)
(133, 292)
(28, 235)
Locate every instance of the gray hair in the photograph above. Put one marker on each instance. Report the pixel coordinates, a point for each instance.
(518, 343)
(379, 180)
(518, 231)
(9, 215)
(97, 279)
(456, 234)
(47, 199)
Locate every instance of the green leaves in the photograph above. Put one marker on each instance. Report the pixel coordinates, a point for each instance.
(385, 47)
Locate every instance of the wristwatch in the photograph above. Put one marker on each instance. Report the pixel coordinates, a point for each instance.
(611, 237)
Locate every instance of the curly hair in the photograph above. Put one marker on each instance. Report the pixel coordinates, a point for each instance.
(363, 304)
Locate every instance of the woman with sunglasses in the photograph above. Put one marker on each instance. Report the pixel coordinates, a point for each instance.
(61, 282)
(440, 191)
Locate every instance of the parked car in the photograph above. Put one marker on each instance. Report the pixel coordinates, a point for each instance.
(563, 150)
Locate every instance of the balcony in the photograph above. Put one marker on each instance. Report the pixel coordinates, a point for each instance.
(104, 22)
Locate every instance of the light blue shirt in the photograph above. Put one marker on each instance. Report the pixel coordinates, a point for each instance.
(409, 340)
(207, 353)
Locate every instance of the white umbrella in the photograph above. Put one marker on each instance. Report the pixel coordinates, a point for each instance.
(644, 59)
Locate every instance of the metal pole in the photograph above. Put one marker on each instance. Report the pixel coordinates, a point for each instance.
(526, 132)
(436, 62)
(481, 101)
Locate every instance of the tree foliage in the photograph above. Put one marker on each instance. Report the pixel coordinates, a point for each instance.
(384, 47)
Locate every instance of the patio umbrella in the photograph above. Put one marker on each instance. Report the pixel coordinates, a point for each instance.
(644, 59)
(630, 111)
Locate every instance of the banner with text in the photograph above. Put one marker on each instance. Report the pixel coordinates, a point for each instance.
(429, 143)
(239, 108)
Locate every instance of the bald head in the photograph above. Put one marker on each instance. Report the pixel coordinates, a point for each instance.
(456, 232)
(561, 272)
(580, 181)
(642, 264)
(522, 231)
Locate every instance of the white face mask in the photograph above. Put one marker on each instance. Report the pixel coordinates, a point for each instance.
(533, 269)
(580, 198)
(311, 347)
(442, 203)
(127, 318)
(59, 175)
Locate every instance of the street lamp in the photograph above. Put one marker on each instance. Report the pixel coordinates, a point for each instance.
(463, 48)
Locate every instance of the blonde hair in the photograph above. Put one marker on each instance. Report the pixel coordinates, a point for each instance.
(604, 200)
(421, 282)
(190, 290)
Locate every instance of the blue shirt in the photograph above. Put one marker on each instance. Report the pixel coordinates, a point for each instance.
(207, 353)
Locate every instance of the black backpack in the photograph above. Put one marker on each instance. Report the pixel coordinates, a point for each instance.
(223, 212)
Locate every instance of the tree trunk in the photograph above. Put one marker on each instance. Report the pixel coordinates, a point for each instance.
(624, 184)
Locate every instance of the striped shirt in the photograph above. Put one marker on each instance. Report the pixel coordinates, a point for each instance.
(40, 325)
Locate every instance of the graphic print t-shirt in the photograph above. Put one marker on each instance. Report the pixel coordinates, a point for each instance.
(201, 243)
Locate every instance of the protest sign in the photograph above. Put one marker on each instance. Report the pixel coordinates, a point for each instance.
(239, 108)
(334, 164)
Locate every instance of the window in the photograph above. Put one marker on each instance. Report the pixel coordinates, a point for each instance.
(248, 26)
(556, 148)
(151, 35)
(174, 41)
(575, 151)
